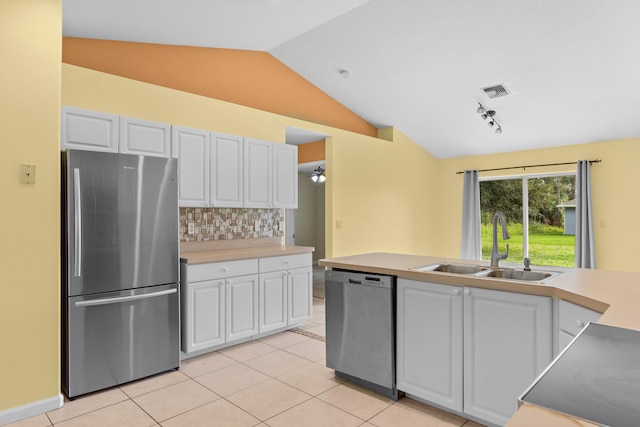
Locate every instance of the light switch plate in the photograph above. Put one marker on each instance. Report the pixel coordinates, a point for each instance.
(191, 228)
(27, 174)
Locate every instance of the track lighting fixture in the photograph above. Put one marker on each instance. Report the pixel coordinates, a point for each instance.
(318, 175)
(489, 114)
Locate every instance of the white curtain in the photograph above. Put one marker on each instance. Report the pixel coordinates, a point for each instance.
(584, 254)
(471, 243)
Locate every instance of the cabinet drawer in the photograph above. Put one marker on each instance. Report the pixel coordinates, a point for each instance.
(220, 270)
(574, 317)
(285, 262)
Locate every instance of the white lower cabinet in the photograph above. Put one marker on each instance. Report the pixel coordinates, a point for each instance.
(205, 325)
(273, 301)
(429, 342)
(507, 344)
(219, 303)
(470, 350)
(572, 318)
(242, 307)
(300, 295)
(223, 302)
(286, 291)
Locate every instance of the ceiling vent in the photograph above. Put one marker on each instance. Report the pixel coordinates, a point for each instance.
(496, 91)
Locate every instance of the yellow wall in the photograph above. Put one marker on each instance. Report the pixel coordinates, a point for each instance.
(616, 200)
(364, 174)
(382, 196)
(30, 45)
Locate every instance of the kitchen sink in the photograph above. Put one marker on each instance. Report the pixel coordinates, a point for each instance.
(535, 276)
(524, 275)
(453, 268)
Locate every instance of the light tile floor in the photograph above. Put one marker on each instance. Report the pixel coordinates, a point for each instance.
(277, 381)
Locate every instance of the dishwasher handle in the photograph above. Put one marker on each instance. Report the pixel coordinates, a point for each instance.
(364, 279)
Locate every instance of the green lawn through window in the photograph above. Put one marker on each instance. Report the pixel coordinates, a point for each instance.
(548, 246)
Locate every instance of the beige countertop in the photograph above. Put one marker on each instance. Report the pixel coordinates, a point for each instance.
(613, 293)
(216, 255)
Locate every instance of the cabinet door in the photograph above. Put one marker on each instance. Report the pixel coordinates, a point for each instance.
(285, 176)
(191, 148)
(205, 315)
(144, 137)
(507, 344)
(273, 301)
(300, 295)
(429, 342)
(227, 159)
(242, 307)
(572, 318)
(88, 130)
(257, 173)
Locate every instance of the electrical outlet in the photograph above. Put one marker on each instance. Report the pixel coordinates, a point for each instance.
(192, 228)
(27, 174)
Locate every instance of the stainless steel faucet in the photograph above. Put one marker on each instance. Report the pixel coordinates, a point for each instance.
(495, 255)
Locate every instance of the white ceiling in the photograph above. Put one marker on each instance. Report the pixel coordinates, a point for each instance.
(573, 65)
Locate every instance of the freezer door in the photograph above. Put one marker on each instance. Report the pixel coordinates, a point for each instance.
(121, 221)
(120, 336)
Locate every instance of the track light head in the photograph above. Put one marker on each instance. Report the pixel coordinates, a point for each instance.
(489, 114)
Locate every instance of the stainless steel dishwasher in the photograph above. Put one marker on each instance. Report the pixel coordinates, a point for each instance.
(360, 321)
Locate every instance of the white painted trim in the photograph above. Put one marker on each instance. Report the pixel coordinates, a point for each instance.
(31, 409)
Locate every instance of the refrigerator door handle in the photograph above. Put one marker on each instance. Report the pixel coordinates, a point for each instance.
(77, 235)
(103, 301)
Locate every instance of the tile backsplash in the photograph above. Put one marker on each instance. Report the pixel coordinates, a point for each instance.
(230, 223)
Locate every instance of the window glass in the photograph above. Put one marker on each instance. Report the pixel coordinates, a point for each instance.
(546, 234)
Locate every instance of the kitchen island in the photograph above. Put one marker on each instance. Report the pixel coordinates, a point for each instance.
(615, 294)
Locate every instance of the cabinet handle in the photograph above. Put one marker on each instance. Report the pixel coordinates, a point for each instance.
(580, 323)
(467, 292)
(456, 291)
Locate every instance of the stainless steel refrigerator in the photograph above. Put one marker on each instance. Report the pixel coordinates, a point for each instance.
(120, 269)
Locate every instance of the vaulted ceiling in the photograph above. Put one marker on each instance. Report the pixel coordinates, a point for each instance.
(571, 66)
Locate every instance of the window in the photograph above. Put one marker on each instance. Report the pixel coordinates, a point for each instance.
(540, 211)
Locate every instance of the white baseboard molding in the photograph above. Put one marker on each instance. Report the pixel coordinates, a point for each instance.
(31, 409)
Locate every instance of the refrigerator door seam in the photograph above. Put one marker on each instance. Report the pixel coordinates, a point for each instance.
(103, 301)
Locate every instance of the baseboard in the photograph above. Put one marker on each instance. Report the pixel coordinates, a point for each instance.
(31, 409)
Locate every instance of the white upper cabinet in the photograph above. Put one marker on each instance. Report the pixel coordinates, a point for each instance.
(285, 176)
(257, 173)
(88, 130)
(191, 148)
(214, 169)
(226, 166)
(144, 137)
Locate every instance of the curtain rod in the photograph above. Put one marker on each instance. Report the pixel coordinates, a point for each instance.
(532, 166)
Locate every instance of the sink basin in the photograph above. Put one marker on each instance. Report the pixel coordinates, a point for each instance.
(527, 276)
(453, 268)
(535, 276)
